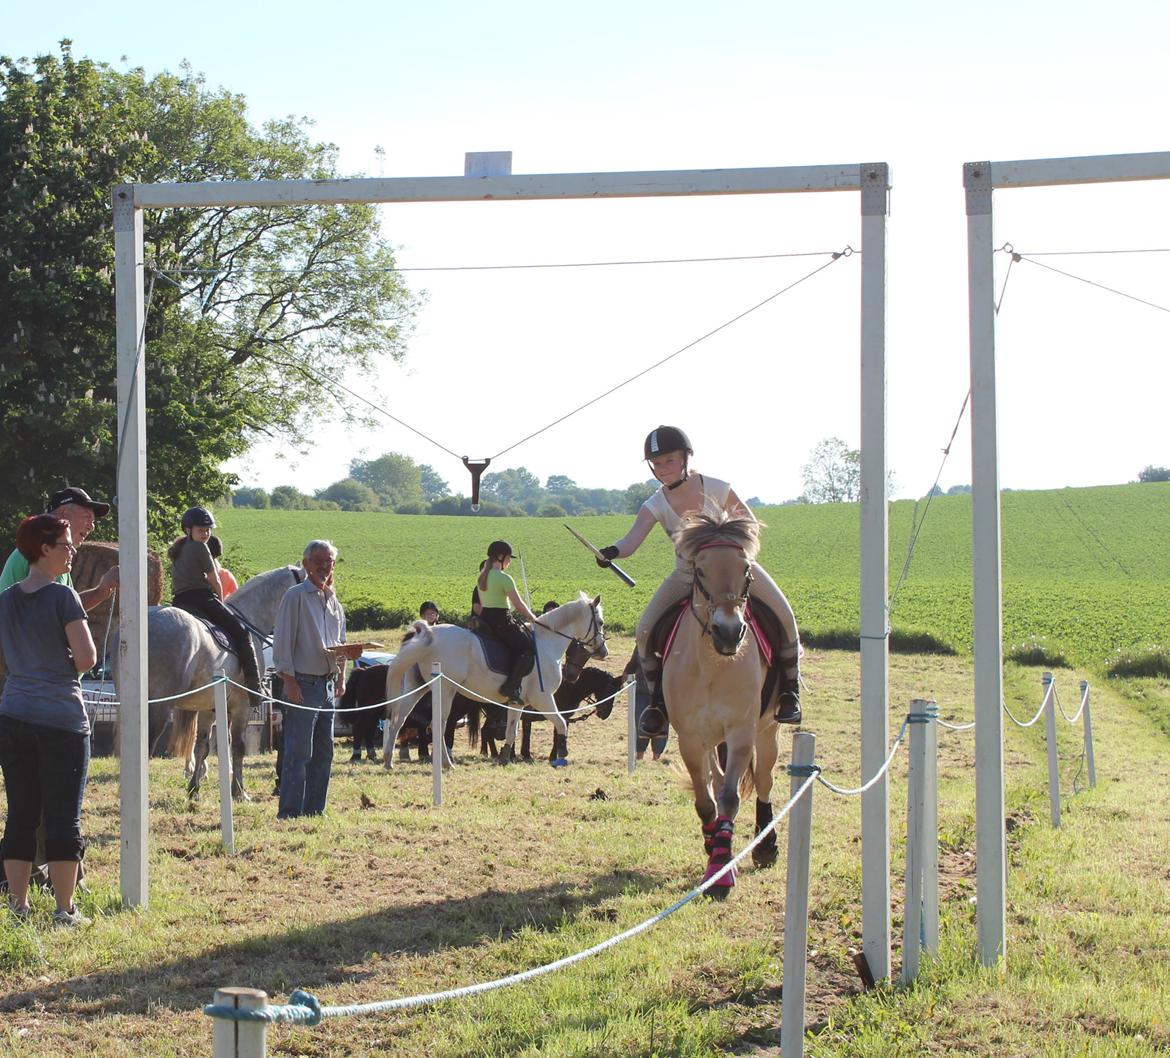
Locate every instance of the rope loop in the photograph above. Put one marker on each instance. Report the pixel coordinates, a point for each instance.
(309, 1002)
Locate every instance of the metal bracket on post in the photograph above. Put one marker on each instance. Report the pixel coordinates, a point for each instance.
(875, 189)
(977, 182)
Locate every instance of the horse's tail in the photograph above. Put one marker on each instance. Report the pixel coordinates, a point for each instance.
(183, 728)
(474, 713)
(349, 698)
(417, 643)
(747, 782)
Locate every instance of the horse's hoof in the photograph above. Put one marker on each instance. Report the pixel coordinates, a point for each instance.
(240, 796)
(559, 762)
(718, 892)
(765, 855)
(506, 756)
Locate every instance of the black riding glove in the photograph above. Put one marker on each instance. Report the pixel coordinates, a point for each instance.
(608, 555)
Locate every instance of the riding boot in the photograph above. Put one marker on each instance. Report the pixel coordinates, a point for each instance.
(510, 688)
(788, 701)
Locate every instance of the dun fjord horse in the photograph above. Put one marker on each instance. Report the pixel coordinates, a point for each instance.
(713, 679)
(183, 654)
(462, 658)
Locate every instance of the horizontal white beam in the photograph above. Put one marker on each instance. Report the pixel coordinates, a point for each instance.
(1104, 168)
(509, 188)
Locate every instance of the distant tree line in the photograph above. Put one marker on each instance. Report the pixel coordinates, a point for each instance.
(395, 483)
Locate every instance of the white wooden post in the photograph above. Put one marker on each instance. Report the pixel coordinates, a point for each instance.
(133, 724)
(239, 1039)
(915, 841)
(804, 745)
(930, 835)
(875, 658)
(1053, 758)
(990, 842)
(223, 749)
(632, 728)
(1088, 726)
(438, 741)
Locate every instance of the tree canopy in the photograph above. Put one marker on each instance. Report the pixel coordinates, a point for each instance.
(833, 473)
(251, 312)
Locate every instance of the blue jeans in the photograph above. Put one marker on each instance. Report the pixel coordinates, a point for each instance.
(308, 750)
(44, 775)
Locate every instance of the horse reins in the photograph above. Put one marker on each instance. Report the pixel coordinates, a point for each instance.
(712, 603)
(264, 637)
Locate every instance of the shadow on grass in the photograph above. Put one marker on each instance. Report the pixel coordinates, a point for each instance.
(316, 957)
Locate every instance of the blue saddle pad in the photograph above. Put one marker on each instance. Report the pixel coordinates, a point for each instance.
(497, 656)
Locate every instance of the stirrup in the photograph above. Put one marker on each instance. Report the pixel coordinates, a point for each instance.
(788, 708)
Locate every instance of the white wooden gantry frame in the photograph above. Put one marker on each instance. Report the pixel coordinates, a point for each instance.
(980, 179)
(488, 177)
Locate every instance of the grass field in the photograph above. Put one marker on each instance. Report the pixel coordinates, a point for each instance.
(1086, 570)
(386, 896)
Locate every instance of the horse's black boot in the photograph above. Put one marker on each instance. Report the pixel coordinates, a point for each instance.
(766, 852)
(510, 691)
(788, 703)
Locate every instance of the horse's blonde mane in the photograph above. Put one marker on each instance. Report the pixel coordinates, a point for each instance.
(698, 530)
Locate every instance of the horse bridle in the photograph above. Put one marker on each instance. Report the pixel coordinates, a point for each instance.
(592, 634)
(712, 602)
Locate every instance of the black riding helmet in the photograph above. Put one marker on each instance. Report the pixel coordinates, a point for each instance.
(197, 516)
(499, 549)
(668, 439)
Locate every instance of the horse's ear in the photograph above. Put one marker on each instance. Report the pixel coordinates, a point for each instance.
(597, 601)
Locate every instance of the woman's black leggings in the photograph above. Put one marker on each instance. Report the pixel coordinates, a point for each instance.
(202, 602)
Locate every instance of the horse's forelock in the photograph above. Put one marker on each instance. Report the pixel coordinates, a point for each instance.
(700, 530)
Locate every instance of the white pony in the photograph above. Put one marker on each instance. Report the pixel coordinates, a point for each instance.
(182, 655)
(462, 659)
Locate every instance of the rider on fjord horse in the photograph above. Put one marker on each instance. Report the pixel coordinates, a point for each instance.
(685, 492)
(498, 594)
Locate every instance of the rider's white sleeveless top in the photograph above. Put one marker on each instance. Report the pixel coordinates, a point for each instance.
(715, 493)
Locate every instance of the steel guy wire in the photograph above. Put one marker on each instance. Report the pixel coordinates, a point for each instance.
(306, 1009)
(362, 270)
(847, 252)
(1093, 283)
(1085, 253)
(918, 523)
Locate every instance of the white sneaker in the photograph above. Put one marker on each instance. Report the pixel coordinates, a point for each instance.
(70, 919)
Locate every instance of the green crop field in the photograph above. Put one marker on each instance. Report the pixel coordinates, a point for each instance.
(1086, 570)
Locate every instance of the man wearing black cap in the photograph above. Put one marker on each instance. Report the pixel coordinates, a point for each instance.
(76, 507)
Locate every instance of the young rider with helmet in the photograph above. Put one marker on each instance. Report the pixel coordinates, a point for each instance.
(498, 596)
(683, 492)
(196, 587)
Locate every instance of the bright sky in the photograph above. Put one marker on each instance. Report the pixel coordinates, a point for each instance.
(1084, 374)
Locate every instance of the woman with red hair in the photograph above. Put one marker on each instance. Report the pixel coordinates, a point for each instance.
(44, 729)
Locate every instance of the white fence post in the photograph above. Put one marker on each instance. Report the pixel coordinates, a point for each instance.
(632, 727)
(223, 747)
(1053, 759)
(239, 1039)
(804, 744)
(930, 835)
(438, 741)
(915, 802)
(920, 919)
(1088, 722)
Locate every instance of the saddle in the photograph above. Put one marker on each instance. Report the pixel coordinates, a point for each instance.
(496, 654)
(764, 624)
(222, 639)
